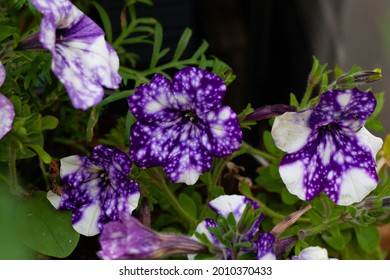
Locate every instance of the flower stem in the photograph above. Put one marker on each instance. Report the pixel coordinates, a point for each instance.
(252, 150)
(320, 228)
(13, 176)
(191, 222)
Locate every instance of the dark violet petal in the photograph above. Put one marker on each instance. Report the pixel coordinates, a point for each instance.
(189, 159)
(197, 89)
(154, 102)
(348, 108)
(7, 115)
(269, 111)
(119, 196)
(265, 246)
(151, 144)
(223, 132)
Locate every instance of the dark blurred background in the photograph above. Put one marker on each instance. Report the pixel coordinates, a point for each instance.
(270, 43)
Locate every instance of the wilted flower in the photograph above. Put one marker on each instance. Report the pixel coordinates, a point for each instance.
(7, 113)
(262, 244)
(313, 253)
(129, 239)
(96, 189)
(82, 59)
(328, 148)
(181, 124)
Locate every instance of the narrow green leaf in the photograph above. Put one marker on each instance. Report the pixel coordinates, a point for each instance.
(46, 229)
(46, 158)
(6, 31)
(105, 20)
(269, 143)
(201, 50)
(293, 100)
(158, 37)
(182, 44)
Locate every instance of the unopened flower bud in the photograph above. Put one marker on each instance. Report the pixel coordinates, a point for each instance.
(269, 111)
(359, 78)
(131, 240)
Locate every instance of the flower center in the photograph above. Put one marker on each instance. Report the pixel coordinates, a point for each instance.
(189, 115)
(104, 175)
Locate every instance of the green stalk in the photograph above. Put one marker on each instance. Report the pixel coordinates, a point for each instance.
(175, 203)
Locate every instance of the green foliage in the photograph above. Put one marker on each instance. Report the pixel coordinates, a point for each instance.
(45, 229)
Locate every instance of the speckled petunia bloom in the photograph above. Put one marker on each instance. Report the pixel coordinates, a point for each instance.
(328, 148)
(96, 189)
(181, 124)
(82, 60)
(7, 113)
(262, 243)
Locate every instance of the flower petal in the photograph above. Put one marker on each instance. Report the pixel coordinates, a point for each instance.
(197, 89)
(327, 163)
(151, 144)
(350, 108)
(226, 204)
(189, 159)
(312, 253)
(265, 246)
(290, 131)
(154, 102)
(82, 59)
(7, 115)
(223, 132)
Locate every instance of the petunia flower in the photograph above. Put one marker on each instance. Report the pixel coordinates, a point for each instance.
(181, 124)
(82, 60)
(96, 189)
(7, 113)
(262, 244)
(328, 148)
(129, 239)
(313, 253)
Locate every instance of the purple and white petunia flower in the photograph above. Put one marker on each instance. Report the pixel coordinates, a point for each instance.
(96, 189)
(7, 113)
(82, 60)
(262, 244)
(313, 253)
(181, 124)
(129, 239)
(328, 148)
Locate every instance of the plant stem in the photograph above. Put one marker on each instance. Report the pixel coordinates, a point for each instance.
(175, 203)
(252, 150)
(13, 176)
(320, 228)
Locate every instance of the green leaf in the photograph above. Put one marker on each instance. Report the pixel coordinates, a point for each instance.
(46, 158)
(334, 238)
(49, 122)
(105, 20)
(288, 198)
(188, 204)
(6, 31)
(269, 144)
(182, 44)
(46, 229)
(293, 100)
(158, 37)
(201, 50)
(368, 238)
(92, 121)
